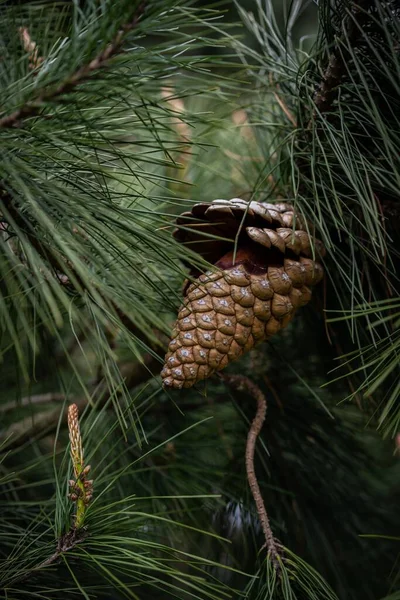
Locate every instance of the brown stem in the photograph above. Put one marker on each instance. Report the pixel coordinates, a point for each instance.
(244, 384)
(66, 542)
(33, 107)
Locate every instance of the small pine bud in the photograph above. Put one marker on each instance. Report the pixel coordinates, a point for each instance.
(75, 439)
(81, 488)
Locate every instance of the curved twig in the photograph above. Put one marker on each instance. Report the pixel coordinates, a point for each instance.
(244, 384)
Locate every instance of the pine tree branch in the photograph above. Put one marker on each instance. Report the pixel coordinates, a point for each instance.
(244, 384)
(336, 69)
(33, 107)
(65, 543)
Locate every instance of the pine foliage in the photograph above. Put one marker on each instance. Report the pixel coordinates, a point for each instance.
(115, 117)
(333, 150)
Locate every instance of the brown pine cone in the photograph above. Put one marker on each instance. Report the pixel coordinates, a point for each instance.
(252, 294)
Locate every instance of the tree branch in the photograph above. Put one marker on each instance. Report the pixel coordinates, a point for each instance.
(244, 384)
(66, 542)
(33, 107)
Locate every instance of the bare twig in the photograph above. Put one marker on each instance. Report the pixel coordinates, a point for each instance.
(244, 384)
(33, 107)
(43, 423)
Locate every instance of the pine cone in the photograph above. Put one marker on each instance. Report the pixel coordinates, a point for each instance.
(253, 292)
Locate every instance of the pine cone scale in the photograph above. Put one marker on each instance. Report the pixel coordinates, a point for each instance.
(229, 310)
